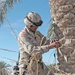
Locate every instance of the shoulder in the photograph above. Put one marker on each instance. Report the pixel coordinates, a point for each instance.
(23, 33)
(39, 33)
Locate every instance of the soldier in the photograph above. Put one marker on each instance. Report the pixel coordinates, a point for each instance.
(32, 45)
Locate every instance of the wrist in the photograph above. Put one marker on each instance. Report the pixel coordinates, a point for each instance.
(50, 46)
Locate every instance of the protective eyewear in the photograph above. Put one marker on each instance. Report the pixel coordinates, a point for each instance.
(35, 23)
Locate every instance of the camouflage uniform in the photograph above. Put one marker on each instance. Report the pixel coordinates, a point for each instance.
(31, 43)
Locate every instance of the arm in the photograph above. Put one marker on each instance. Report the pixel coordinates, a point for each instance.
(29, 47)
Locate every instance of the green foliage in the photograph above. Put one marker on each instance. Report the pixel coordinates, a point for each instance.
(2, 14)
(51, 34)
(4, 6)
(3, 65)
(52, 67)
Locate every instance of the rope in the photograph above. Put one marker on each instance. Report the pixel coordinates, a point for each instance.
(37, 67)
(34, 58)
(16, 38)
(56, 60)
(51, 55)
(56, 67)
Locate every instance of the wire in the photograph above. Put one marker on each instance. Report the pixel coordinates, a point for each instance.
(8, 50)
(11, 27)
(10, 24)
(8, 58)
(14, 35)
(51, 55)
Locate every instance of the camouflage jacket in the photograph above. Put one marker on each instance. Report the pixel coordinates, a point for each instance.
(29, 43)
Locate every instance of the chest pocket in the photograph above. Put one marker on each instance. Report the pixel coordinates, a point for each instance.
(33, 41)
(38, 39)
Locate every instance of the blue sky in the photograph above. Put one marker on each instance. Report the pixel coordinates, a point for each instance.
(16, 16)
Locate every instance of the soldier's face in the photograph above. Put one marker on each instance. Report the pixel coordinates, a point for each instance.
(33, 28)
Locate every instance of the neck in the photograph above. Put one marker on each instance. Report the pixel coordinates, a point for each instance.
(31, 30)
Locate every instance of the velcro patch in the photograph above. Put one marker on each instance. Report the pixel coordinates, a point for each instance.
(23, 35)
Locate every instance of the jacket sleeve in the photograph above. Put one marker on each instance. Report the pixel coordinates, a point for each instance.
(29, 47)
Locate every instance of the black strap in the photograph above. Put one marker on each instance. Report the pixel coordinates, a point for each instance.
(35, 23)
